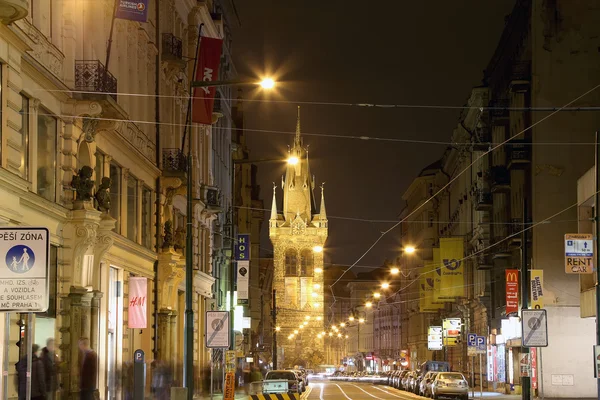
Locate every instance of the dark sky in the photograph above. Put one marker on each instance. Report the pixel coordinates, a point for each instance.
(400, 52)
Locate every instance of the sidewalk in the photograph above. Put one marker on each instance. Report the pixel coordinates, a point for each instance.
(239, 395)
(501, 396)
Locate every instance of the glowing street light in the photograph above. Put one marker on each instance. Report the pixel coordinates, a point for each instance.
(296, 331)
(361, 320)
(409, 249)
(323, 333)
(377, 295)
(319, 318)
(277, 328)
(314, 294)
(307, 317)
(318, 249)
(330, 333)
(342, 324)
(385, 285)
(333, 327)
(293, 160)
(368, 304)
(267, 83)
(339, 335)
(347, 336)
(317, 286)
(318, 270)
(351, 318)
(395, 271)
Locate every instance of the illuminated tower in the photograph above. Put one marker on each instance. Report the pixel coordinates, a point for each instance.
(298, 235)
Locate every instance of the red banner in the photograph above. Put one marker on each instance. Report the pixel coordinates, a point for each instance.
(207, 70)
(512, 291)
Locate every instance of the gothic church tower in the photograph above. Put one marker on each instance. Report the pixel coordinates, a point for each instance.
(298, 277)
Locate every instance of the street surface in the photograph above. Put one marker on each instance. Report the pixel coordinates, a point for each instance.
(332, 390)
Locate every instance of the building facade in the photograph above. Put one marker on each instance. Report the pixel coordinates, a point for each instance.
(64, 110)
(298, 235)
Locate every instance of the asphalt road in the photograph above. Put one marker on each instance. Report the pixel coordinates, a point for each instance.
(333, 390)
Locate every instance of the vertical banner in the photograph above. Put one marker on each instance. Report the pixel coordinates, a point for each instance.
(243, 277)
(437, 276)
(132, 10)
(537, 288)
(452, 269)
(534, 375)
(512, 291)
(426, 288)
(138, 293)
(242, 247)
(207, 70)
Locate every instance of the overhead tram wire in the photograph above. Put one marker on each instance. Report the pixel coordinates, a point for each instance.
(339, 103)
(452, 180)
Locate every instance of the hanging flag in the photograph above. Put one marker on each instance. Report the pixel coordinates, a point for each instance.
(207, 70)
(132, 10)
(512, 291)
(138, 294)
(243, 277)
(426, 287)
(452, 268)
(437, 277)
(537, 288)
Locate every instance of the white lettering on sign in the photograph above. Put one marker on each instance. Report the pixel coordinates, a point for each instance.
(207, 76)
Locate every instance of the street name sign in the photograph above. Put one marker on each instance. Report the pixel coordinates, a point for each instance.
(579, 253)
(534, 325)
(24, 263)
(217, 329)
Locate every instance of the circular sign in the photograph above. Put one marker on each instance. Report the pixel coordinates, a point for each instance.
(452, 264)
(20, 259)
(141, 6)
(217, 324)
(534, 323)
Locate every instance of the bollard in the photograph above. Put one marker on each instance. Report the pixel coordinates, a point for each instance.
(139, 374)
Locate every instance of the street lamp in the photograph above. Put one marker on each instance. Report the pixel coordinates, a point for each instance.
(377, 295)
(277, 328)
(361, 320)
(351, 318)
(368, 304)
(385, 285)
(343, 325)
(409, 249)
(267, 83)
(318, 249)
(395, 271)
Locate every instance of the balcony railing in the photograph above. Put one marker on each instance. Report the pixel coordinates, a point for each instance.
(172, 48)
(174, 162)
(92, 76)
(482, 200)
(519, 153)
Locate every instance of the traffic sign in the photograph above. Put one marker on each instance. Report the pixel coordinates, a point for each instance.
(24, 266)
(481, 345)
(534, 325)
(579, 253)
(476, 344)
(217, 329)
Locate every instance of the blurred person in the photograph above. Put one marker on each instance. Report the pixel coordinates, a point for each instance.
(89, 370)
(38, 381)
(162, 380)
(50, 361)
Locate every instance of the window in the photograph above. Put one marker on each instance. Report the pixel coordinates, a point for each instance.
(99, 169)
(306, 262)
(147, 217)
(115, 194)
(24, 167)
(291, 262)
(132, 209)
(46, 155)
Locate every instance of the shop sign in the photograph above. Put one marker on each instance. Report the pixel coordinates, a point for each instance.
(242, 247)
(537, 288)
(24, 264)
(579, 253)
(434, 338)
(229, 392)
(525, 366)
(512, 291)
(534, 382)
(138, 305)
(243, 278)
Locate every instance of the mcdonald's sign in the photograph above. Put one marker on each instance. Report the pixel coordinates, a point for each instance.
(512, 291)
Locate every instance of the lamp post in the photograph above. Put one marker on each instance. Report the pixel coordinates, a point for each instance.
(188, 348)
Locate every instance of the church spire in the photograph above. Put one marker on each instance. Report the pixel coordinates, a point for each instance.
(297, 140)
(322, 212)
(274, 205)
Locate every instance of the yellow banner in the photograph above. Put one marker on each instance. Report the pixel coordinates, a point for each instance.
(537, 288)
(426, 288)
(437, 277)
(451, 268)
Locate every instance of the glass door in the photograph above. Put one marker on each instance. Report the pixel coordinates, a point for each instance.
(114, 289)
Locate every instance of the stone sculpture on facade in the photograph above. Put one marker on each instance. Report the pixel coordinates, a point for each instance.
(168, 236)
(102, 195)
(83, 184)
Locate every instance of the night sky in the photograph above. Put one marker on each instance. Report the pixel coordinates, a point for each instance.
(386, 52)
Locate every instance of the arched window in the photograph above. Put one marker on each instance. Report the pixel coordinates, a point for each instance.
(291, 262)
(306, 262)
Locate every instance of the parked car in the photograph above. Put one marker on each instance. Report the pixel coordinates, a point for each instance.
(425, 386)
(450, 384)
(295, 383)
(405, 383)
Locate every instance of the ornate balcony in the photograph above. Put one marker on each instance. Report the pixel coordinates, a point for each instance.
(172, 49)
(174, 163)
(92, 76)
(501, 250)
(13, 10)
(482, 200)
(519, 154)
